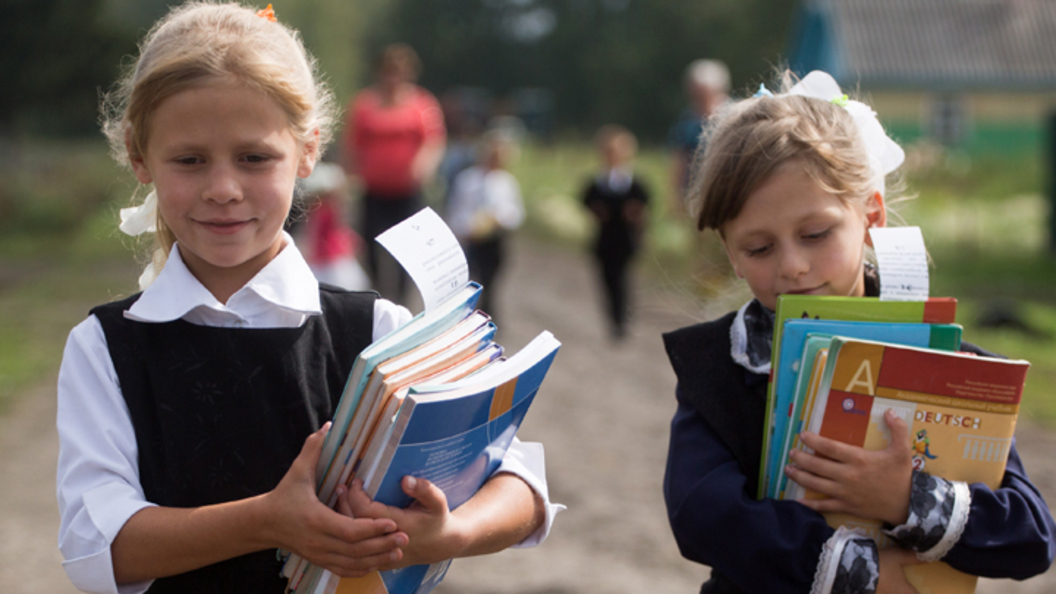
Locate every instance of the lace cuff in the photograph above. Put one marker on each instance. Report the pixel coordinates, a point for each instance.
(849, 564)
(938, 513)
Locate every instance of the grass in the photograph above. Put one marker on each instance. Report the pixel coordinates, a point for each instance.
(43, 297)
(59, 251)
(984, 221)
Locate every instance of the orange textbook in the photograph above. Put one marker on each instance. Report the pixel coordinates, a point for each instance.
(961, 410)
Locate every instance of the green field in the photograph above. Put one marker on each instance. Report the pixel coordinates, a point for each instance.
(985, 222)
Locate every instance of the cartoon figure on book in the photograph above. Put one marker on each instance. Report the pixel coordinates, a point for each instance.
(191, 415)
(792, 182)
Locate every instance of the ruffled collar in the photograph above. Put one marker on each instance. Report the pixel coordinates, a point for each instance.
(751, 335)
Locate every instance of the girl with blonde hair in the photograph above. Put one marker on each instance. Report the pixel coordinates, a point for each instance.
(191, 415)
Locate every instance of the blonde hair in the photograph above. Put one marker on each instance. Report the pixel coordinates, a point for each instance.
(748, 140)
(200, 43)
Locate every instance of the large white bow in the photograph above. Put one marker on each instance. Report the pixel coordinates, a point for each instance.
(136, 220)
(884, 154)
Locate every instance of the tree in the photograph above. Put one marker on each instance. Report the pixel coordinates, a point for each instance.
(604, 60)
(57, 55)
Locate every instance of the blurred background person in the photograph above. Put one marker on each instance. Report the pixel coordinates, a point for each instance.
(394, 140)
(324, 237)
(465, 121)
(484, 207)
(707, 84)
(619, 202)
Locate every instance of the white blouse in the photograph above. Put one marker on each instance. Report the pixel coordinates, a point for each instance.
(98, 485)
(479, 191)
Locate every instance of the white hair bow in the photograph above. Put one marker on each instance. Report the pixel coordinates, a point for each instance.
(884, 154)
(137, 220)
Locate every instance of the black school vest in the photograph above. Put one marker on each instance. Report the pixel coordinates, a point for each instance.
(221, 413)
(731, 400)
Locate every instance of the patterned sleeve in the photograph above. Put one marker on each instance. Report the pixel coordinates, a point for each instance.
(938, 513)
(849, 564)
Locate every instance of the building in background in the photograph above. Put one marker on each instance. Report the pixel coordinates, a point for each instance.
(979, 75)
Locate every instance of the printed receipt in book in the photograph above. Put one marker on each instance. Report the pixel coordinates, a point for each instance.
(429, 251)
(446, 413)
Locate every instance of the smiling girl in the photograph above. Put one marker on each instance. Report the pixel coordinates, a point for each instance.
(191, 415)
(792, 183)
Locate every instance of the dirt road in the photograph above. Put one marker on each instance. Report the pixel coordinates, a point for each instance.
(603, 414)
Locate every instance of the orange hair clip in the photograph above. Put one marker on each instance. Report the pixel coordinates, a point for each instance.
(268, 13)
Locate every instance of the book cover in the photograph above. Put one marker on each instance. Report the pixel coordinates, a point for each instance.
(465, 339)
(961, 410)
(420, 329)
(812, 362)
(350, 418)
(454, 435)
(380, 384)
(785, 375)
(936, 310)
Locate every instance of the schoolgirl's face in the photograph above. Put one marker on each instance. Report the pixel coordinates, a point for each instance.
(223, 160)
(792, 236)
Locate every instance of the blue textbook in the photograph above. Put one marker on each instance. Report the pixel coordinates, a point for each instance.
(453, 433)
(422, 328)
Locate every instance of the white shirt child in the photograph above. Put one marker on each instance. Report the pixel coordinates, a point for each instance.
(481, 192)
(98, 485)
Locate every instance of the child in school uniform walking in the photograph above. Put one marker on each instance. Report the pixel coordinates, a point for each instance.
(484, 208)
(792, 182)
(619, 202)
(191, 415)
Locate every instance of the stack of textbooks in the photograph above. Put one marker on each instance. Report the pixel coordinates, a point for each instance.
(838, 364)
(435, 399)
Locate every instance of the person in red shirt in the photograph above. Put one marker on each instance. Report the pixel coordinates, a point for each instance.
(394, 140)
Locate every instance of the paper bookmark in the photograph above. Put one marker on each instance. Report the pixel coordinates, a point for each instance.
(427, 249)
(903, 263)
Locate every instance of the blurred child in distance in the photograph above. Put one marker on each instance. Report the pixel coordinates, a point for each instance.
(328, 242)
(619, 201)
(485, 206)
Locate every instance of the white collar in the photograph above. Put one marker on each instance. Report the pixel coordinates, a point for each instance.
(739, 343)
(286, 282)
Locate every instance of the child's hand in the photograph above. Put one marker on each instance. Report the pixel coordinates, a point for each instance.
(505, 511)
(892, 573)
(434, 532)
(299, 522)
(868, 484)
